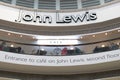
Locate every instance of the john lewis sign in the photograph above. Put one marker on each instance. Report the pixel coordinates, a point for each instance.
(58, 18)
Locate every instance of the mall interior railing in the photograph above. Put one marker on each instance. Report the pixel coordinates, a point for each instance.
(60, 50)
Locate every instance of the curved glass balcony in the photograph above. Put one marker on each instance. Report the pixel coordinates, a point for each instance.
(56, 4)
(60, 50)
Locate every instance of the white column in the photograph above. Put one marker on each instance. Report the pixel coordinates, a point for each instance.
(102, 2)
(35, 4)
(57, 4)
(13, 2)
(79, 4)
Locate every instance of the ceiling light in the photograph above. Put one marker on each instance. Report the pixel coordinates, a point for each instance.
(9, 33)
(118, 43)
(103, 45)
(93, 35)
(81, 37)
(106, 34)
(11, 45)
(21, 35)
(42, 49)
(118, 30)
(72, 48)
(33, 37)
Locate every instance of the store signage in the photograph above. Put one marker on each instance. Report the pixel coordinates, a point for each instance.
(38, 17)
(103, 57)
(76, 18)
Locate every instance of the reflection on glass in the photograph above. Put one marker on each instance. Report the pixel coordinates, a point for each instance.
(54, 50)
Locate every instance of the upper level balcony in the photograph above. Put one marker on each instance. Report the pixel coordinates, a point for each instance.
(76, 59)
(59, 36)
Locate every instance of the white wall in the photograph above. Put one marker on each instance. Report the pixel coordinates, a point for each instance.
(103, 14)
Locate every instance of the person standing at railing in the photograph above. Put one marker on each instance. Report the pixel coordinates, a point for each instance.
(114, 46)
(2, 45)
(64, 51)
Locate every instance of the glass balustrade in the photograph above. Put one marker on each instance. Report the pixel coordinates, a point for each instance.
(62, 50)
(57, 5)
